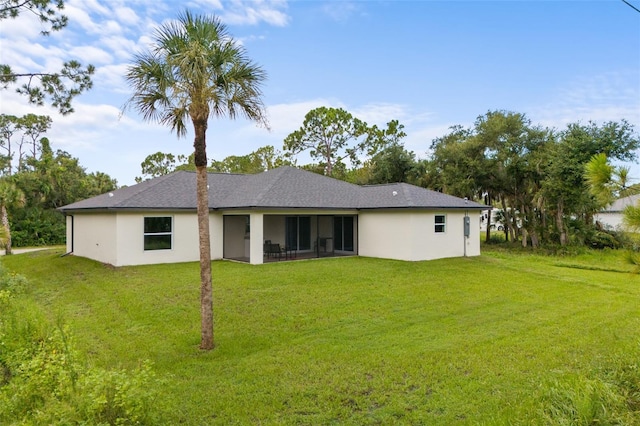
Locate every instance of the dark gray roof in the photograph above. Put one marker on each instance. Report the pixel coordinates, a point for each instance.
(284, 187)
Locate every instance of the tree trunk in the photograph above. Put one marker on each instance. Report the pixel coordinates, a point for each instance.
(5, 224)
(524, 237)
(206, 288)
(560, 224)
(535, 243)
(488, 230)
(506, 219)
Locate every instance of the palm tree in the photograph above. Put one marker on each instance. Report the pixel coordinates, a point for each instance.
(9, 195)
(195, 70)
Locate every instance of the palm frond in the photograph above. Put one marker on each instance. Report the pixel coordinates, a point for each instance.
(631, 217)
(195, 69)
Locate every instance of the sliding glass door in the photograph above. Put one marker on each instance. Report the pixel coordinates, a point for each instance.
(298, 232)
(343, 233)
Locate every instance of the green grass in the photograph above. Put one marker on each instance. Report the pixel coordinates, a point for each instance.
(499, 339)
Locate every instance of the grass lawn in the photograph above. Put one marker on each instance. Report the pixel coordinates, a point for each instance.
(499, 339)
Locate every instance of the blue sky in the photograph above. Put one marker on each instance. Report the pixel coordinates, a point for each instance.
(428, 64)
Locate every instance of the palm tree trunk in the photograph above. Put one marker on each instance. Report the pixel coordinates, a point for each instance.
(5, 224)
(206, 288)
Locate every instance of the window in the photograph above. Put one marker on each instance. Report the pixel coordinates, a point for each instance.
(440, 223)
(157, 233)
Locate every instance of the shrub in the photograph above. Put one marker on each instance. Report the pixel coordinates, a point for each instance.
(117, 397)
(12, 283)
(44, 382)
(601, 240)
(577, 400)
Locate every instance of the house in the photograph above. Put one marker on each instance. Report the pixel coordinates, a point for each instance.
(611, 217)
(305, 214)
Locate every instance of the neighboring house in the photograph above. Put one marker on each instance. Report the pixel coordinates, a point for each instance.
(611, 217)
(309, 214)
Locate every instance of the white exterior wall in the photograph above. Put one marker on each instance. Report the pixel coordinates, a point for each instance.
(118, 238)
(410, 235)
(614, 220)
(93, 236)
(216, 233)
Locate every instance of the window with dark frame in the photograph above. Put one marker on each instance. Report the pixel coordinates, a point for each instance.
(440, 222)
(158, 233)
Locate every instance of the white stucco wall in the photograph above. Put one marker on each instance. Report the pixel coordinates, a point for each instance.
(613, 220)
(410, 235)
(93, 236)
(118, 238)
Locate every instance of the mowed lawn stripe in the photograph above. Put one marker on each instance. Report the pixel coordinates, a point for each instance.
(351, 340)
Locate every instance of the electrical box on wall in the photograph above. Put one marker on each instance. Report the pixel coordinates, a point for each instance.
(467, 226)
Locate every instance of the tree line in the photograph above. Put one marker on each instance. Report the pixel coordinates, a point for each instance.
(535, 175)
(35, 180)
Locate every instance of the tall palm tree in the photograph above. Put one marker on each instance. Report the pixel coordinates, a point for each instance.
(192, 71)
(10, 194)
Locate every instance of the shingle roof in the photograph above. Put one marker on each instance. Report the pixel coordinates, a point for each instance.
(284, 187)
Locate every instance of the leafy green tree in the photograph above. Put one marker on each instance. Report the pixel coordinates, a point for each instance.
(331, 135)
(457, 161)
(508, 175)
(158, 164)
(60, 87)
(262, 159)
(21, 134)
(9, 126)
(195, 70)
(564, 187)
(52, 180)
(605, 181)
(394, 164)
(496, 161)
(32, 127)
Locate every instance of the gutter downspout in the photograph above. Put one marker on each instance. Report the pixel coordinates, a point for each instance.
(70, 252)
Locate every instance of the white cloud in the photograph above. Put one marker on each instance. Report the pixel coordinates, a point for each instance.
(120, 47)
(252, 13)
(606, 97)
(92, 55)
(126, 15)
(90, 6)
(25, 27)
(340, 10)
(286, 118)
(78, 16)
(419, 138)
(381, 113)
(209, 4)
(111, 78)
(110, 27)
